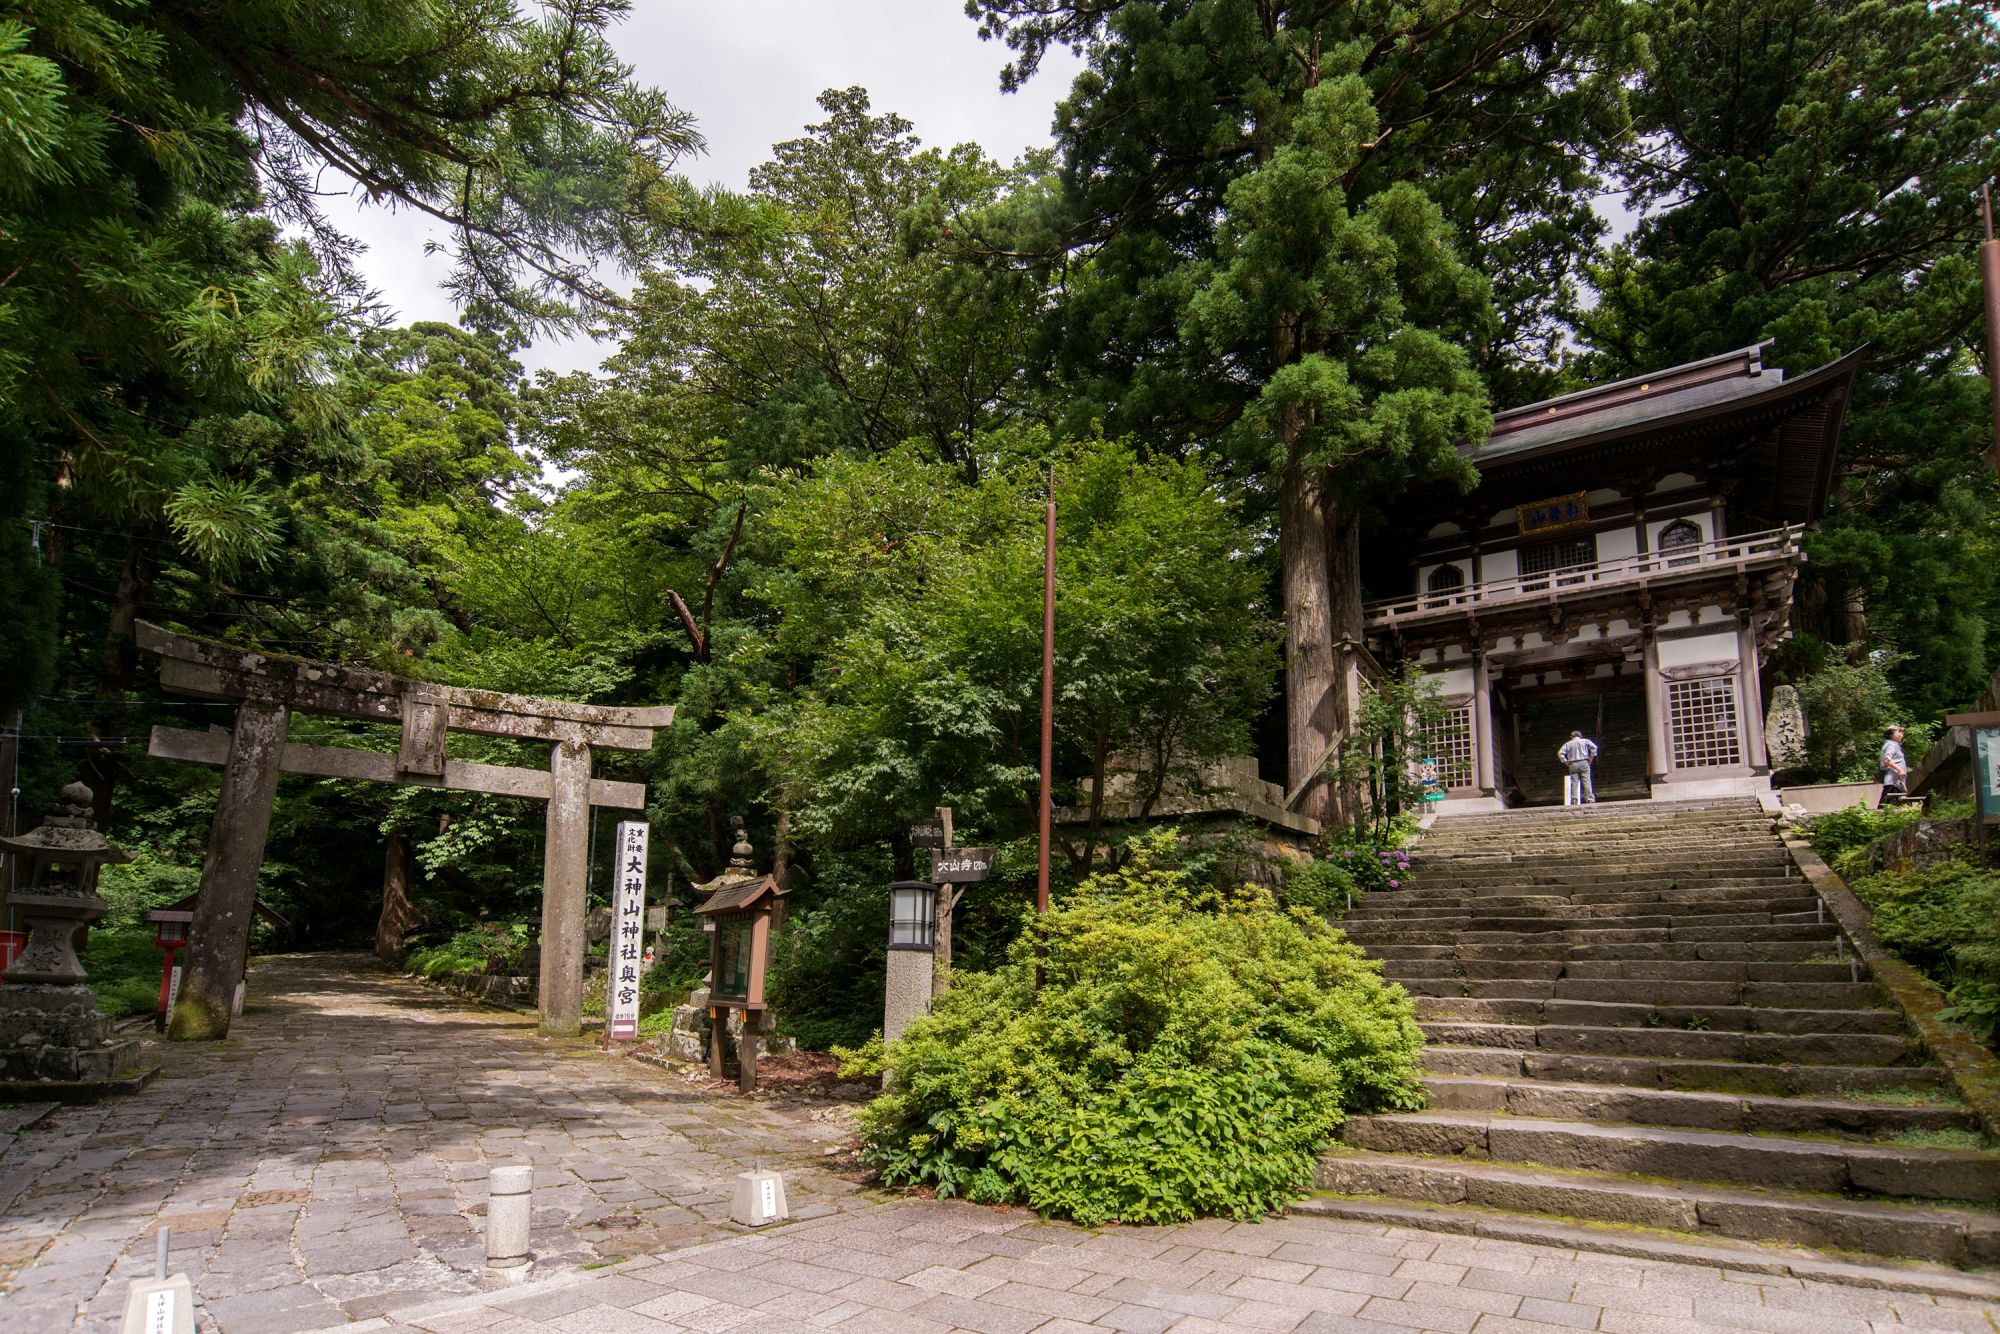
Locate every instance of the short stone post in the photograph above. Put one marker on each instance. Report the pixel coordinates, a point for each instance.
(509, 1211)
(759, 1198)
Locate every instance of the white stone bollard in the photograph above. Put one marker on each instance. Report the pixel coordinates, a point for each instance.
(759, 1199)
(509, 1207)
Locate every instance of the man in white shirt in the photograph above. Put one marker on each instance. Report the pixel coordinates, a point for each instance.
(1577, 755)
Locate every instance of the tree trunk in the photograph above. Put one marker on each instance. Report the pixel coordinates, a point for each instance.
(399, 905)
(1311, 673)
(1343, 563)
(117, 667)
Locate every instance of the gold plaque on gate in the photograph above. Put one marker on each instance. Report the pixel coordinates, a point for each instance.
(1555, 514)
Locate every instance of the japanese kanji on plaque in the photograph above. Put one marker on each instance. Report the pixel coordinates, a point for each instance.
(628, 927)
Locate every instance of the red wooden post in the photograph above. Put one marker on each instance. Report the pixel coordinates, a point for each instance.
(1048, 709)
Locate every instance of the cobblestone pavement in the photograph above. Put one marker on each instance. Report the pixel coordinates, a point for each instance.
(328, 1162)
(924, 1268)
(326, 1168)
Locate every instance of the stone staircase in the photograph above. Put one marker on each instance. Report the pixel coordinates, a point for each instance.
(1639, 1014)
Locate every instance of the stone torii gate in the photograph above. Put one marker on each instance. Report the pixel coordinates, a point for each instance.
(256, 751)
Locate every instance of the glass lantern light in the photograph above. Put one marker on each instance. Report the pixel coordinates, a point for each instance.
(912, 915)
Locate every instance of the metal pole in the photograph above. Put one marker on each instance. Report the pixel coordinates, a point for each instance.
(1048, 710)
(1989, 270)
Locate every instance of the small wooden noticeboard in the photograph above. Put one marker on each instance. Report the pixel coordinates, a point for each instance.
(932, 833)
(960, 866)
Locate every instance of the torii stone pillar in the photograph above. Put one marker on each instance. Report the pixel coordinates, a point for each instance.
(228, 897)
(270, 689)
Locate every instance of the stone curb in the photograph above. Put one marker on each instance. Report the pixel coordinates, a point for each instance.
(1709, 1252)
(1973, 1069)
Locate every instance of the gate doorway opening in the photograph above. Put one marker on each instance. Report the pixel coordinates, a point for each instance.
(1610, 712)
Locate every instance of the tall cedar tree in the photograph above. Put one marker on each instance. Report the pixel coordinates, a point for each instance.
(1276, 215)
(1808, 173)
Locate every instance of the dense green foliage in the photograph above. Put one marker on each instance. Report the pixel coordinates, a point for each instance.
(1189, 1054)
(1838, 834)
(1279, 262)
(1945, 920)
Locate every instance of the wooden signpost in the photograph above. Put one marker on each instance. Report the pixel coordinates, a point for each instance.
(255, 751)
(1985, 727)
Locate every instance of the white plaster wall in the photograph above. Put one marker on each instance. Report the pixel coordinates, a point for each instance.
(1674, 481)
(1453, 680)
(1498, 565)
(1698, 648)
(1617, 543)
(1604, 496)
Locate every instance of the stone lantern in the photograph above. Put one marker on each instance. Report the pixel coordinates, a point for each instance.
(50, 1027)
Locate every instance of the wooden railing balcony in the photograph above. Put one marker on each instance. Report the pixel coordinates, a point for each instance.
(1699, 561)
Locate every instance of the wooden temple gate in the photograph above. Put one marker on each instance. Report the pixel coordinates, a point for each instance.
(253, 753)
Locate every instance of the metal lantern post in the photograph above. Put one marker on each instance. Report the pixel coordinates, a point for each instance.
(170, 933)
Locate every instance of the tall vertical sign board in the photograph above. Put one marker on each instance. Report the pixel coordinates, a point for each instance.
(628, 927)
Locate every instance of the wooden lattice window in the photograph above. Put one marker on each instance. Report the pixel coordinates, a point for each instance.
(1445, 583)
(1679, 542)
(1701, 722)
(1569, 553)
(1449, 742)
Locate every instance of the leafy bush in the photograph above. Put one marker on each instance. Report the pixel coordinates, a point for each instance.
(1190, 1054)
(1323, 888)
(489, 945)
(867, 1061)
(1837, 833)
(121, 965)
(1944, 919)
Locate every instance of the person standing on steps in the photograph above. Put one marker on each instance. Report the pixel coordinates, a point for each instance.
(1577, 755)
(1892, 768)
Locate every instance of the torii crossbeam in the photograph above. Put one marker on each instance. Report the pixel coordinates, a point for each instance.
(252, 755)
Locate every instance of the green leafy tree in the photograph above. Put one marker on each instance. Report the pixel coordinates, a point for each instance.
(1254, 261)
(1807, 173)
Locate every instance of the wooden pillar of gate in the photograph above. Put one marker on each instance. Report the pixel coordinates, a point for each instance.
(217, 952)
(565, 889)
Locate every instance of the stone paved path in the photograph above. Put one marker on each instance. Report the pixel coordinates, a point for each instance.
(329, 1161)
(326, 1168)
(927, 1268)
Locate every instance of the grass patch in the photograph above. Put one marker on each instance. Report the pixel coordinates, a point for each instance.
(1938, 1139)
(1905, 1097)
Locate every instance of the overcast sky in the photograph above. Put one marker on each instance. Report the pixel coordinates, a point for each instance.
(749, 70)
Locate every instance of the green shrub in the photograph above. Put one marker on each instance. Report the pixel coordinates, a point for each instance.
(1190, 1054)
(1944, 920)
(866, 1061)
(1839, 832)
(491, 944)
(1323, 888)
(121, 965)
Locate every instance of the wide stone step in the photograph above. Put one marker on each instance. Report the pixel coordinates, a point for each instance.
(1408, 961)
(1827, 1166)
(1390, 933)
(1730, 1112)
(1790, 1217)
(1611, 890)
(1899, 1082)
(1549, 960)
(1565, 913)
(1725, 1017)
(1668, 1044)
